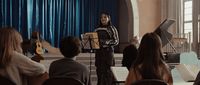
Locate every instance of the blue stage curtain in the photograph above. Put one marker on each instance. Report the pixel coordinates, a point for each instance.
(55, 19)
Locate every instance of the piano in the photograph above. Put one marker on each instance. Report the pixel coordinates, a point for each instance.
(172, 58)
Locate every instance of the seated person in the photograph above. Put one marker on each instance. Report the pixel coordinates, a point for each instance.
(68, 67)
(130, 53)
(13, 64)
(197, 80)
(149, 63)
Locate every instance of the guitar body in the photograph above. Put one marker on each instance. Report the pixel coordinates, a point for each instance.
(39, 49)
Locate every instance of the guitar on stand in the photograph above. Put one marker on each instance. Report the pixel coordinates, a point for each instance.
(38, 48)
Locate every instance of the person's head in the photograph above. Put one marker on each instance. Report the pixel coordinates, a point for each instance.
(70, 46)
(105, 19)
(10, 40)
(149, 56)
(150, 48)
(134, 40)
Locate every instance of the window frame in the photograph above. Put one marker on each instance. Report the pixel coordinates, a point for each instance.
(189, 21)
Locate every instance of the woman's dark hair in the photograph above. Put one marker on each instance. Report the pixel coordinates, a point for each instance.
(149, 56)
(70, 46)
(109, 22)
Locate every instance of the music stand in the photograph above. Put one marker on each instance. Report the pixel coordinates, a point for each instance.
(90, 42)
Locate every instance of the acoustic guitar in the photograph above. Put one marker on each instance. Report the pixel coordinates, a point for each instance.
(38, 49)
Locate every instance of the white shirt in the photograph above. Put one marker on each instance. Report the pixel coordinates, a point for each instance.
(21, 65)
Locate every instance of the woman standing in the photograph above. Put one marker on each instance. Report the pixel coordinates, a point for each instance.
(104, 57)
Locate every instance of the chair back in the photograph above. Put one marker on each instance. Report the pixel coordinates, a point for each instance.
(6, 81)
(62, 81)
(149, 82)
(197, 80)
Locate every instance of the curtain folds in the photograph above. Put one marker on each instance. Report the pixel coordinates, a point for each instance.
(55, 19)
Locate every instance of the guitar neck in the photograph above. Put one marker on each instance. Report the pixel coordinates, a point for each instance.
(38, 36)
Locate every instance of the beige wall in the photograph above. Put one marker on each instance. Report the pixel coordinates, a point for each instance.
(149, 19)
(149, 15)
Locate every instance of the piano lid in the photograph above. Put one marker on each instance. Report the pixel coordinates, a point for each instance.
(162, 31)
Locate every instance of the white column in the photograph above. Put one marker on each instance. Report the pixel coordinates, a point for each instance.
(175, 11)
(135, 17)
(164, 9)
(196, 33)
(195, 26)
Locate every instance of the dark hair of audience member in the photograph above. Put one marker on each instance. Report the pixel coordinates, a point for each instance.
(70, 46)
(149, 56)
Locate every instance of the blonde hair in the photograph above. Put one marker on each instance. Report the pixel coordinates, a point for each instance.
(10, 40)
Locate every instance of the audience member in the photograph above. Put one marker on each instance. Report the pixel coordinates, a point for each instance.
(68, 67)
(197, 80)
(130, 53)
(13, 64)
(149, 63)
